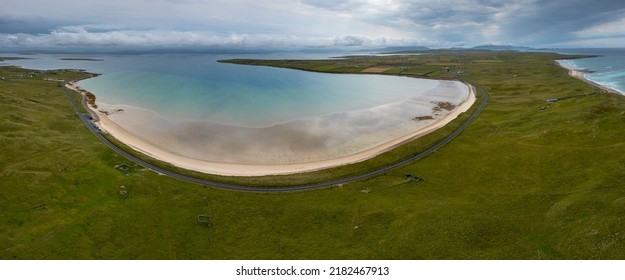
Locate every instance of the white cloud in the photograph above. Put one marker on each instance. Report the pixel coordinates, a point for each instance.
(76, 36)
(590, 43)
(614, 28)
(150, 23)
(79, 36)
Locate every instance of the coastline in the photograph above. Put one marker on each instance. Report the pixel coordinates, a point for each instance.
(581, 75)
(103, 122)
(87, 99)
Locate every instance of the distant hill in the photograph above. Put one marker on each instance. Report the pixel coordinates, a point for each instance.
(501, 48)
(407, 49)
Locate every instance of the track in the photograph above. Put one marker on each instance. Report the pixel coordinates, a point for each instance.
(86, 119)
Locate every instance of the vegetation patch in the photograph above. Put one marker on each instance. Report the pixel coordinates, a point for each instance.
(376, 69)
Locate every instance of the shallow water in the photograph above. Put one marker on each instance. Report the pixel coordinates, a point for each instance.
(193, 106)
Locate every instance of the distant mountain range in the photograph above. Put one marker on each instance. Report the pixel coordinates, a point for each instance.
(414, 49)
(383, 50)
(501, 48)
(407, 49)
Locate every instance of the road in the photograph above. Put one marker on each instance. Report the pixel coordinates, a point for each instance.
(87, 120)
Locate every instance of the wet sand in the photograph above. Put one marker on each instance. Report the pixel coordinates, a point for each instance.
(226, 150)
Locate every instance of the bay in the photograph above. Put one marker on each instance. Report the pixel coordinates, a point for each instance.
(192, 106)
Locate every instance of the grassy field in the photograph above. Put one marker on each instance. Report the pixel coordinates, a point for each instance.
(527, 180)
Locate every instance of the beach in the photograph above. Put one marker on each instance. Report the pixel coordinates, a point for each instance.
(108, 120)
(581, 74)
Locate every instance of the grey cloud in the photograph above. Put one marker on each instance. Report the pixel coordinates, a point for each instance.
(77, 36)
(350, 41)
(307, 22)
(333, 5)
(523, 21)
(35, 25)
(550, 22)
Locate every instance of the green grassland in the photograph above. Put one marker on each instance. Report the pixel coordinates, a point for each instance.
(527, 180)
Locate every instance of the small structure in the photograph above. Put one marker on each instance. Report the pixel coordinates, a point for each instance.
(410, 177)
(123, 167)
(122, 191)
(204, 219)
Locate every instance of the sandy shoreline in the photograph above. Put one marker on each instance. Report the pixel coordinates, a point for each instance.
(236, 169)
(581, 75)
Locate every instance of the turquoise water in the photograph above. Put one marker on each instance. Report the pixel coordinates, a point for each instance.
(608, 69)
(196, 87)
(202, 89)
(192, 106)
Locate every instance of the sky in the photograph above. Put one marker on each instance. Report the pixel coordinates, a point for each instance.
(299, 24)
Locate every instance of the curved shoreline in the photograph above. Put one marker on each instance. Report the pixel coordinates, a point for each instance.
(581, 75)
(248, 170)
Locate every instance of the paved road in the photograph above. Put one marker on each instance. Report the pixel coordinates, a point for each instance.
(86, 119)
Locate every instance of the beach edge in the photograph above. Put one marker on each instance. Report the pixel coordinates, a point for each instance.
(580, 74)
(106, 125)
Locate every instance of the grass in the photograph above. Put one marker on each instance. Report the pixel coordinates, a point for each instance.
(519, 183)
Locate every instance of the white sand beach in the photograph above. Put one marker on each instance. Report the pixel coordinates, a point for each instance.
(113, 118)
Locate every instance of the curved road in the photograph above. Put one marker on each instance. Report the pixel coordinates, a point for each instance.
(86, 119)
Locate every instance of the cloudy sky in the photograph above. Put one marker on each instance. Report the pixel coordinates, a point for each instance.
(309, 23)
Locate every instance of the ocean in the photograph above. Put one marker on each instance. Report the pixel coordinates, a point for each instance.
(192, 106)
(608, 69)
